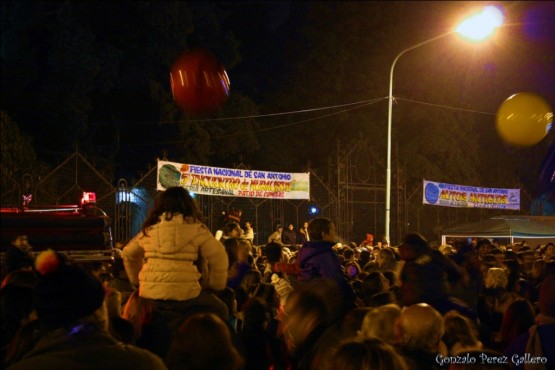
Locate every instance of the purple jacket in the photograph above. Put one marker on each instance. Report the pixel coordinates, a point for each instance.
(317, 260)
(516, 350)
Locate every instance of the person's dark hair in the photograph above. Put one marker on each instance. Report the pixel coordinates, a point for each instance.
(266, 292)
(273, 252)
(364, 257)
(318, 226)
(228, 296)
(495, 251)
(229, 227)
(372, 284)
(251, 280)
(510, 255)
(415, 240)
(193, 346)
(488, 258)
(513, 268)
(371, 266)
(482, 242)
(352, 321)
(348, 252)
(381, 299)
(517, 319)
(174, 200)
(370, 353)
(391, 276)
(232, 249)
(387, 253)
(255, 312)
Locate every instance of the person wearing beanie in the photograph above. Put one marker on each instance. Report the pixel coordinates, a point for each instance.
(539, 341)
(69, 303)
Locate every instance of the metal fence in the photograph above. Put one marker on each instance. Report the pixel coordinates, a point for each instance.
(356, 207)
(133, 203)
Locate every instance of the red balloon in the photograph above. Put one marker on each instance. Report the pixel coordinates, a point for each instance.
(199, 82)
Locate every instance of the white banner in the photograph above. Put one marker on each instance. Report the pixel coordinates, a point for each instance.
(233, 182)
(452, 195)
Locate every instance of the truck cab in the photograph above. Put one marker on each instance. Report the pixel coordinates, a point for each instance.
(81, 232)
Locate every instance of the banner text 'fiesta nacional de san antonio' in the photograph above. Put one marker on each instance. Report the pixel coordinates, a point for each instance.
(453, 195)
(233, 182)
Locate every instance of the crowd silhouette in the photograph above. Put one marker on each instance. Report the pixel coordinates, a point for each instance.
(178, 298)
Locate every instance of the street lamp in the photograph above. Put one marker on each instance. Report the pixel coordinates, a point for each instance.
(476, 28)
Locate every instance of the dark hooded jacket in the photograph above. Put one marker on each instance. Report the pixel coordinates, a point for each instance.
(317, 260)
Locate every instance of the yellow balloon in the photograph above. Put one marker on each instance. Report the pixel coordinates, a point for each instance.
(524, 119)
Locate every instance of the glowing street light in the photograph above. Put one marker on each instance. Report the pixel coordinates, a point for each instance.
(476, 28)
(482, 25)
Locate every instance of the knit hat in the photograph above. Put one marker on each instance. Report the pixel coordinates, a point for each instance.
(546, 296)
(66, 293)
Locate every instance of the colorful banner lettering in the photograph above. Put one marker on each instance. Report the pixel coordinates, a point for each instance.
(233, 182)
(450, 195)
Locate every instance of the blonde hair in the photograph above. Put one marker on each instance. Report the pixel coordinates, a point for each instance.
(496, 278)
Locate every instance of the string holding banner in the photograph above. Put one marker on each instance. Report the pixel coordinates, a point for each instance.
(233, 182)
(464, 196)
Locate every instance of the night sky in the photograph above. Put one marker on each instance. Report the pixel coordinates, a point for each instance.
(95, 75)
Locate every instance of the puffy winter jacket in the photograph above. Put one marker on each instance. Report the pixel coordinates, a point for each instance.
(164, 262)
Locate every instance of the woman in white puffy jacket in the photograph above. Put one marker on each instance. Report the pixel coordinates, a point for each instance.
(175, 260)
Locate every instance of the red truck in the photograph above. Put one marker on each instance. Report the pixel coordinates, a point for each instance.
(83, 233)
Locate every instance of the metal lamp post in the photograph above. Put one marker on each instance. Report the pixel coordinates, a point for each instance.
(477, 28)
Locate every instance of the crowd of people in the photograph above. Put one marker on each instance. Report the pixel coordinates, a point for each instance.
(177, 297)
